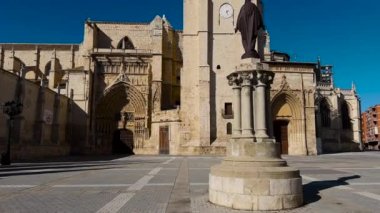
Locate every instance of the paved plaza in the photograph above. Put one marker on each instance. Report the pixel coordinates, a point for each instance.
(348, 182)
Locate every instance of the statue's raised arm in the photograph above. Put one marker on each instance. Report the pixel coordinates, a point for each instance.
(249, 22)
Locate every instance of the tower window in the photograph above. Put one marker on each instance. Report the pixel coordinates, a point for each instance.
(228, 109)
(229, 129)
(346, 120)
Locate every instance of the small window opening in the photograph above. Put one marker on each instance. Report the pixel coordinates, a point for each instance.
(228, 109)
(229, 129)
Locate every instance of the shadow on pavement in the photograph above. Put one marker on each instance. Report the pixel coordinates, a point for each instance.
(74, 158)
(69, 164)
(311, 190)
(33, 172)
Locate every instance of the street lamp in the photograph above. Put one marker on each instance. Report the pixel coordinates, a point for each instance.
(12, 109)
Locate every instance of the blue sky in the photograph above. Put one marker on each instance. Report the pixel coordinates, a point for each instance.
(344, 33)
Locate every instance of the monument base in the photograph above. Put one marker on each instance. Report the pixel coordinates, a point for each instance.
(254, 177)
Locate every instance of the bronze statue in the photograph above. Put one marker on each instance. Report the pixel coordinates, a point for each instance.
(249, 22)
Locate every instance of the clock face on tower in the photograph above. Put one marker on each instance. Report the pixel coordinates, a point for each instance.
(226, 10)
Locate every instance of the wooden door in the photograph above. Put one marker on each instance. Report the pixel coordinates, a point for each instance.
(281, 134)
(164, 140)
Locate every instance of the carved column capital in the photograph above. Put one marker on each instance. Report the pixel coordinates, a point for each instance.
(234, 80)
(264, 78)
(247, 78)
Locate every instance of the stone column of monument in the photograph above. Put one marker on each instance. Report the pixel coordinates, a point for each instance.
(261, 111)
(253, 176)
(235, 82)
(246, 104)
(269, 112)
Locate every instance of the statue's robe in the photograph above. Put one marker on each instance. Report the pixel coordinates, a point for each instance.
(249, 23)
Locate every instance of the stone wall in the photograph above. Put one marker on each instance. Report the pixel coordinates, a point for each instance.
(336, 138)
(293, 89)
(38, 55)
(44, 128)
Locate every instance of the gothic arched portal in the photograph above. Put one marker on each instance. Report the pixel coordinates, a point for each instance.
(288, 126)
(120, 123)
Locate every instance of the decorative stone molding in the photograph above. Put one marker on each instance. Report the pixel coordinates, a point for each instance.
(284, 85)
(294, 93)
(246, 66)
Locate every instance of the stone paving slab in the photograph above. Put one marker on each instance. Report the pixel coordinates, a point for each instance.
(150, 199)
(348, 182)
(55, 202)
(165, 176)
(198, 176)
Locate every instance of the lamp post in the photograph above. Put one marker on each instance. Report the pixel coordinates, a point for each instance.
(12, 109)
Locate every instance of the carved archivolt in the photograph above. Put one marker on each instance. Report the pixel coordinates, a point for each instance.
(286, 97)
(139, 82)
(121, 93)
(122, 77)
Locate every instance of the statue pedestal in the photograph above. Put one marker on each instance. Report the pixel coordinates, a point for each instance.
(254, 179)
(253, 176)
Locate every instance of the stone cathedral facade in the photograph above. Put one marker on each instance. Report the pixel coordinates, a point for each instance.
(146, 88)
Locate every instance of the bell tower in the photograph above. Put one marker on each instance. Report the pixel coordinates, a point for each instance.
(195, 80)
(211, 50)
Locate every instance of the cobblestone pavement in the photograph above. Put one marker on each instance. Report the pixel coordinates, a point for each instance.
(347, 182)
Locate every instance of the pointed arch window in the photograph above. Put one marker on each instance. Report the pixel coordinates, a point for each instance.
(47, 69)
(325, 113)
(125, 44)
(345, 112)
